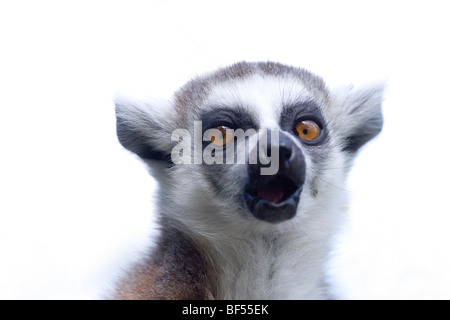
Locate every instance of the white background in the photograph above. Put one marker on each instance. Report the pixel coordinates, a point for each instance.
(75, 207)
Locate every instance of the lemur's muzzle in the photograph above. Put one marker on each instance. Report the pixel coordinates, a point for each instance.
(274, 198)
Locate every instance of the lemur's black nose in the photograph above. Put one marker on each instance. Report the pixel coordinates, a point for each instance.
(273, 195)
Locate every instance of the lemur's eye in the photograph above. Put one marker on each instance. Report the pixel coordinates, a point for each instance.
(220, 136)
(308, 130)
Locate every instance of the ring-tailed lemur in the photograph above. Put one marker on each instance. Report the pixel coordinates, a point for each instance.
(229, 229)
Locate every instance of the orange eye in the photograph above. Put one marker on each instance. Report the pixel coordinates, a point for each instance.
(308, 130)
(221, 135)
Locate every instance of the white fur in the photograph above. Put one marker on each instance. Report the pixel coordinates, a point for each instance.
(264, 95)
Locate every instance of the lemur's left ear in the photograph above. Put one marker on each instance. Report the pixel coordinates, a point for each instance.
(357, 114)
(145, 127)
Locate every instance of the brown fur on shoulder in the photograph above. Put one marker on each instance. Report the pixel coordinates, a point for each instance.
(174, 271)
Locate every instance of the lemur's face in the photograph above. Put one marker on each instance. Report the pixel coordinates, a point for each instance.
(279, 130)
(252, 142)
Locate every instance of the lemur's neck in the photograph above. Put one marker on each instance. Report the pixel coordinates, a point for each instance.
(252, 265)
(264, 266)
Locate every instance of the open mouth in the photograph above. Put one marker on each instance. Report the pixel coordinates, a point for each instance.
(273, 198)
(275, 191)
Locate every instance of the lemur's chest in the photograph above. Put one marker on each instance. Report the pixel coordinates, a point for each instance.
(270, 272)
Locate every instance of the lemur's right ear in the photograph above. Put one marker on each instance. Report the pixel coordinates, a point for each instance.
(357, 113)
(144, 128)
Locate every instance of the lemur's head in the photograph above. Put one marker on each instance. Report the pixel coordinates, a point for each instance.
(251, 144)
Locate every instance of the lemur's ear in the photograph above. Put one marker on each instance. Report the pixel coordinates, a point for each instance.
(144, 128)
(357, 113)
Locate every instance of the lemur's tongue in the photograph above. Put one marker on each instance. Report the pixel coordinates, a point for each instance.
(271, 193)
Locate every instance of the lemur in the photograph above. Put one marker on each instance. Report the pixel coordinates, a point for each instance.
(227, 228)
